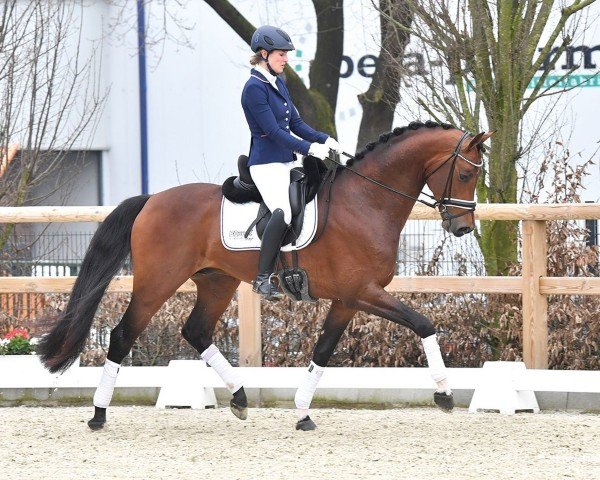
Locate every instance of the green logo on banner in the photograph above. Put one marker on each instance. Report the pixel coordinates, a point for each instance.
(570, 81)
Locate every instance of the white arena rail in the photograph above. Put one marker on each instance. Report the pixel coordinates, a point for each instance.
(289, 377)
(503, 382)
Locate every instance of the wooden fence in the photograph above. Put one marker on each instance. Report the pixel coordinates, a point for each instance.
(534, 285)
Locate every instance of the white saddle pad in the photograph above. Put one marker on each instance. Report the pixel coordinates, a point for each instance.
(237, 217)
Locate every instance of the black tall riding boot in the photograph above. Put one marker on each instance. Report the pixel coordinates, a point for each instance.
(269, 249)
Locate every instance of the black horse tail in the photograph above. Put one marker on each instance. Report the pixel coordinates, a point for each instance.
(108, 249)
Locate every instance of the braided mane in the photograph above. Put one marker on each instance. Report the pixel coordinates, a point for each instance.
(384, 138)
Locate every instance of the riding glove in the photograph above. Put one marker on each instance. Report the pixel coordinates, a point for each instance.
(334, 145)
(319, 150)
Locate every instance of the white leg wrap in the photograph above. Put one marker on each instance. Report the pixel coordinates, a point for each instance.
(436, 363)
(104, 392)
(307, 388)
(219, 363)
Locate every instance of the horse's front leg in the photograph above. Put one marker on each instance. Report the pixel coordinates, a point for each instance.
(335, 323)
(375, 300)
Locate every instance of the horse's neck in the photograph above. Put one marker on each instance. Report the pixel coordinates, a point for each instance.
(400, 172)
(371, 200)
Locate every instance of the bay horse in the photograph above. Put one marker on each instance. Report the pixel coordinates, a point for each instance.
(174, 235)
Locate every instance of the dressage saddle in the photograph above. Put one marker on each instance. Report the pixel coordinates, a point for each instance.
(304, 185)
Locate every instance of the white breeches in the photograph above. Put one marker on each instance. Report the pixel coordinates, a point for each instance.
(273, 183)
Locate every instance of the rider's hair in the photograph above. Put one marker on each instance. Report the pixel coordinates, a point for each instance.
(256, 58)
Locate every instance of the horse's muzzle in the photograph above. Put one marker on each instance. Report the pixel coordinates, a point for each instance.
(456, 228)
(459, 232)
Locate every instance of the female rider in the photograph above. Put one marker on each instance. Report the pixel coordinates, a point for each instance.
(272, 119)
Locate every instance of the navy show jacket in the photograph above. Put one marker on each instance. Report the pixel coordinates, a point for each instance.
(271, 116)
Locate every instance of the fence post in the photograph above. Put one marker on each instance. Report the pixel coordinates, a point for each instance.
(249, 327)
(535, 305)
(592, 239)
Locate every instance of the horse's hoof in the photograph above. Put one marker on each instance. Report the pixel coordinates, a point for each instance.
(99, 419)
(95, 425)
(444, 401)
(306, 424)
(239, 412)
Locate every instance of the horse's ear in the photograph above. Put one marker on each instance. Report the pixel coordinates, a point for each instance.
(479, 139)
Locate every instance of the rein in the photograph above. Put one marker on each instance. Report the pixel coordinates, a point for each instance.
(326, 182)
(445, 199)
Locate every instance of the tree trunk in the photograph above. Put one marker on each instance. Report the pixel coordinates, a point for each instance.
(325, 69)
(380, 100)
(498, 239)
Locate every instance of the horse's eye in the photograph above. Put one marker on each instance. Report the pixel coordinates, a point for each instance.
(465, 176)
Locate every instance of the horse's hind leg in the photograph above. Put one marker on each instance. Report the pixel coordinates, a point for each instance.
(214, 294)
(146, 299)
(377, 301)
(336, 322)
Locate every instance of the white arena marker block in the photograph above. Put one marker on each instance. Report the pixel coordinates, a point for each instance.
(183, 386)
(497, 389)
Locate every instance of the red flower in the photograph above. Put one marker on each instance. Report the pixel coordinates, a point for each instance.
(17, 332)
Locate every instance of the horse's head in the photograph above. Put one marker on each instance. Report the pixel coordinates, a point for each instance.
(452, 178)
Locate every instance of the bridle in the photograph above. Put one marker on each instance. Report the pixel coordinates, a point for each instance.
(445, 199)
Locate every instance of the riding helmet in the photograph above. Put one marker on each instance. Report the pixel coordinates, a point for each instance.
(271, 38)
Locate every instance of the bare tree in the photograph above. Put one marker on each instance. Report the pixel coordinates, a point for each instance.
(494, 62)
(49, 94)
(164, 21)
(7, 155)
